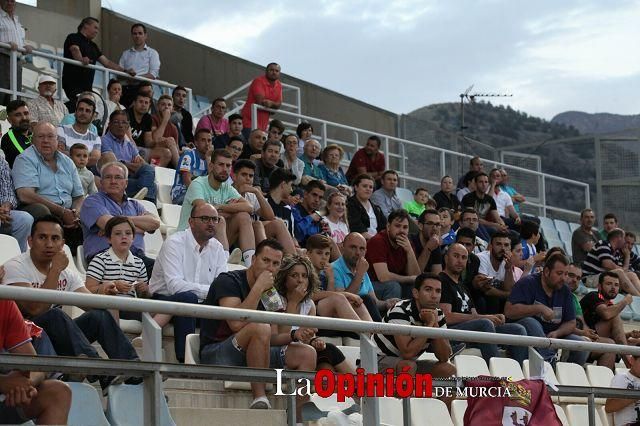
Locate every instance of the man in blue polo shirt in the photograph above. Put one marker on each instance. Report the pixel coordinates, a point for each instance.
(350, 274)
(543, 304)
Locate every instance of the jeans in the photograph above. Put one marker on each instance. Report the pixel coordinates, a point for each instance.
(387, 290)
(21, 227)
(74, 337)
(490, 350)
(144, 178)
(372, 307)
(181, 325)
(534, 328)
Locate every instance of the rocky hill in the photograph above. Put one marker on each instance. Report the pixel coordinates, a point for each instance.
(599, 123)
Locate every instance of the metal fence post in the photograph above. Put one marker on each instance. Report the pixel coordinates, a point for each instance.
(13, 84)
(591, 404)
(190, 100)
(291, 403)
(443, 163)
(324, 134)
(152, 352)
(254, 116)
(369, 362)
(543, 195)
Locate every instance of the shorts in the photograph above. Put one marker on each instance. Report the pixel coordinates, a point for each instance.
(330, 355)
(424, 366)
(591, 281)
(228, 352)
(11, 415)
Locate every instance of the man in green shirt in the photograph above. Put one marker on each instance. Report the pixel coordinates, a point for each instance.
(233, 209)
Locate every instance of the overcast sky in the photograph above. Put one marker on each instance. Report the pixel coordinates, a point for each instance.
(553, 56)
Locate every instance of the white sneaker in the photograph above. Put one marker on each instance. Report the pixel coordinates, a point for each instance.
(260, 403)
(141, 194)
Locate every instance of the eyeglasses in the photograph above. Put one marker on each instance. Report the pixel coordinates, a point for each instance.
(120, 123)
(207, 219)
(112, 177)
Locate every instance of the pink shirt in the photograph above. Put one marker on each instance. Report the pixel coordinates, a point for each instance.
(219, 128)
(272, 92)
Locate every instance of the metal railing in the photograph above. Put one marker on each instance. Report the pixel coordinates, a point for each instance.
(421, 165)
(153, 368)
(58, 61)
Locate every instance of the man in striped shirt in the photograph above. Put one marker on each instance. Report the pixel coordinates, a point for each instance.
(398, 352)
(602, 257)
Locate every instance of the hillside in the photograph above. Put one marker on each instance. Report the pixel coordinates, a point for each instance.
(599, 123)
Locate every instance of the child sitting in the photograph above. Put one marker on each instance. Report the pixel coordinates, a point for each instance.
(419, 203)
(79, 153)
(448, 235)
(336, 217)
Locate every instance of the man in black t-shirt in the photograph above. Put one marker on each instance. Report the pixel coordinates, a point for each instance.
(601, 313)
(426, 244)
(247, 344)
(80, 46)
(18, 138)
(461, 314)
(485, 205)
(280, 187)
(141, 123)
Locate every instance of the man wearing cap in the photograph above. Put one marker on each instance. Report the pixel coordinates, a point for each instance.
(45, 107)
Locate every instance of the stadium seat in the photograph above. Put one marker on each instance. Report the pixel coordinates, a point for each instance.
(561, 415)
(152, 241)
(549, 374)
(72, 264)
(81, 262)
(192, 349)
(10, 248)
(573, 226)
(170, 215)
(124, 403)
(546, 223)
(164, 182)
(85, 406)
(578, 414)
(458, 407)
(505, 367)
(628, 312)
(330, 403)
(554, 242)
(470, 366)
(390, 411)
(562, 226)
(599, 376)
(429, 411)
(635, 307)
(606, 418)
(622, 370)
(404, 195)
(570, 374)
(565, 237)
(351, 353)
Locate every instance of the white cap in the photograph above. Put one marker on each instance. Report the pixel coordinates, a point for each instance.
(46, 79)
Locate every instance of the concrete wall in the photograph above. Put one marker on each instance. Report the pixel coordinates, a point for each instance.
(45, 26)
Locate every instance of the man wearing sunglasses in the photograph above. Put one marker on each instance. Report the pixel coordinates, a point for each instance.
(187, 264)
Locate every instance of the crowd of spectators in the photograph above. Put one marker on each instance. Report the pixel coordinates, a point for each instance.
(314, 239)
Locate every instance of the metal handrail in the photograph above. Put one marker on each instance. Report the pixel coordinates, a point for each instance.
(153, 389)
(107, 71)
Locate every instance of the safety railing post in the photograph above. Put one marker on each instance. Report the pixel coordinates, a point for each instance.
(190, 100)
(369, 362)
(591, 405)
(543, 195)
(13, 64)
(254, 116)
(291, 403)
(324, 134)
(152, 352)
(443, 163)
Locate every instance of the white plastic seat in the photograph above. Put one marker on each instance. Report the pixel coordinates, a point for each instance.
(192, 349)
(81, 262)
(561, 415)
(622, 370)
(404, 195)
(470, 366)
(562, 226)
(10, 248)
(578, 414)
(163, 192)
(599, 376)
(570, 374)
(351, 353)
(458, 408)
(606, 418)
(123, 406)
(330, 403)
(573, 226)
(505, 367)
(390, 411)
(85, 406)
(549, 374)
(429, 411)
(72, 264)
(170, 216)
(165, 175)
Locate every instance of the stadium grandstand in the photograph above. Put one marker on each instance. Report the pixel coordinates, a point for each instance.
(141, 192)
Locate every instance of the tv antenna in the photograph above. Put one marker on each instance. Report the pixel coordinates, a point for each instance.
(471, 98)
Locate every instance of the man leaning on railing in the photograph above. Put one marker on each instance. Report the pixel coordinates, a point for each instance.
(11, 32)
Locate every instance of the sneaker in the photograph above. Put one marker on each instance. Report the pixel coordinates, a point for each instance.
(260, 403)
(137, 342)
(235, 258)
(141, 194)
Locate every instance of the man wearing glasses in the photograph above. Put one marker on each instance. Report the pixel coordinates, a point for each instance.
(187, 264)
(111, 201)
(426, 244)
(140, 174)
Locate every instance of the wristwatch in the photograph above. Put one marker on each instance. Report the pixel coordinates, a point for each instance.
(293, 335)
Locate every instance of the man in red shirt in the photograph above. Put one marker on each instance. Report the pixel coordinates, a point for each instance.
(394, 266)
(265, 90)
(368, 160)
(27, 395)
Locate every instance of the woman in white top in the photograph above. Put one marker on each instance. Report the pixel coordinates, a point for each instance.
(336, 217)
(290, 157)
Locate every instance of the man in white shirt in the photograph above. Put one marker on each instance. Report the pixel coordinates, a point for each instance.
(626, 411)
(496, 263)
(46, 266)
(12, 33)
(139, 60)
(186, 266)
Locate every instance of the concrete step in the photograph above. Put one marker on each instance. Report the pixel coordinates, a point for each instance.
(227, 416)
(226, 399)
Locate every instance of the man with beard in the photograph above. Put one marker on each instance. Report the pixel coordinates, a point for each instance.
(368, 160)
(18, 138)
(181, 117)
(393, 264)
(78, 132)
(427, 243)
(228, 202)
(266, 164)
(460, 312)
(265, 91)
(543, 304)
(485, 205)
(469, 219)
(188, 262)
(602, 314)
(584, 238)
(496, 263)
(253, 149)
(475, 166)
(45, 107)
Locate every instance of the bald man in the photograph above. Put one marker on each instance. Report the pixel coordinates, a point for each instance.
(47, 182)
(187, 264)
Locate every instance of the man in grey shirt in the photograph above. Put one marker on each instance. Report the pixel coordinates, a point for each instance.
(584, 238)
(386, 197)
